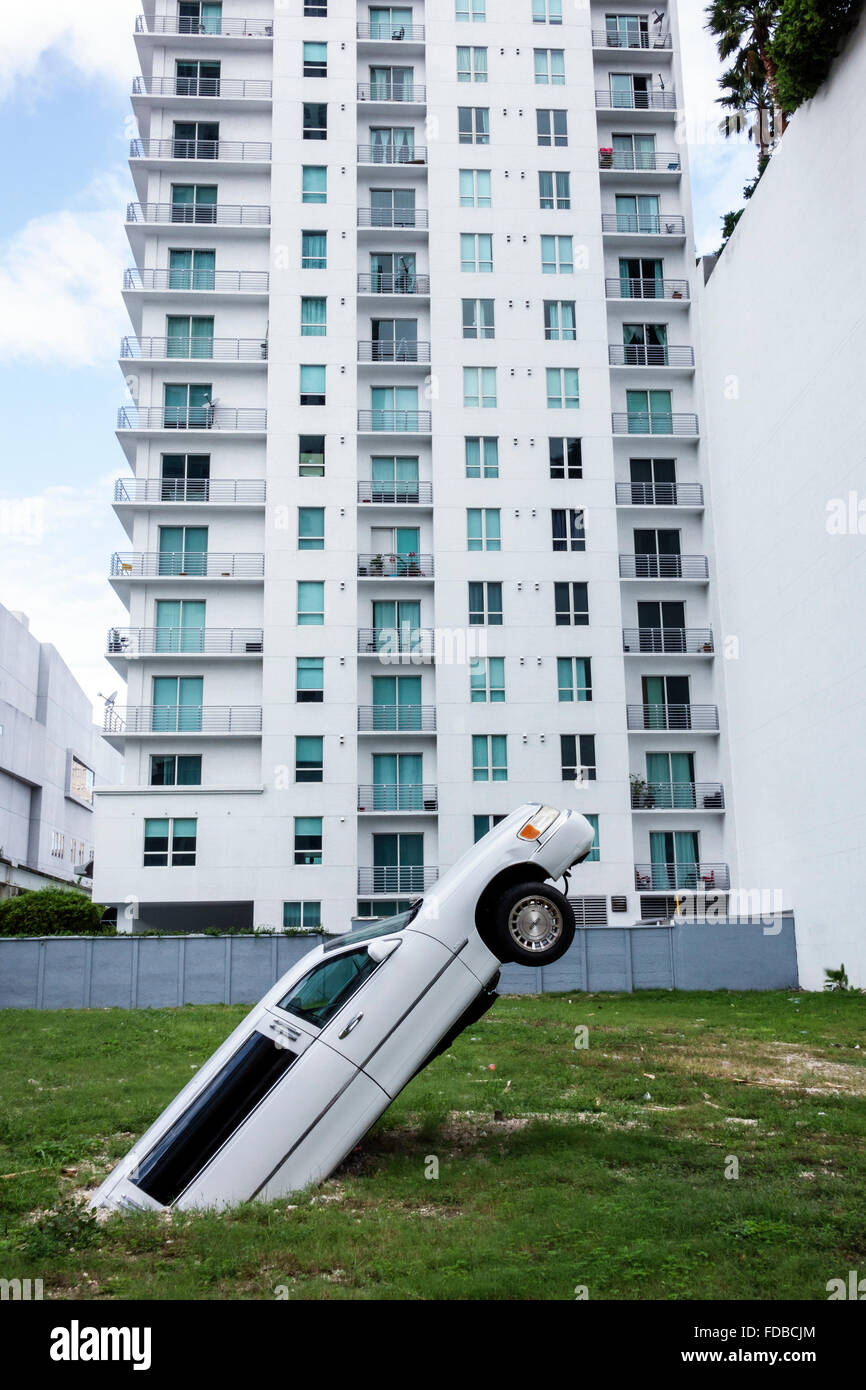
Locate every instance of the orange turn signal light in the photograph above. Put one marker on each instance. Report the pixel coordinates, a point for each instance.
(529, 832)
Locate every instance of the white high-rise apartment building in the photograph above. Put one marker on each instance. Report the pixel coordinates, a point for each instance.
(412, 368)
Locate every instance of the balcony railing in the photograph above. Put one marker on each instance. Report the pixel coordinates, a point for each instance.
(702, 878)
(396, 719)
(184, 719)
(201, 214)
(193, 417)
(636, 101)
(198, 349)
(395, 421)
(643, 224)
(678, 796)
(655, 422)
(392, 796)
(688, 641)
(393, 91)
(388, 33)
(697, 718)
(664, 567)
(395, 566)
(176, 564)
(198, 281)
(605, 38)
(393, 217)
(399, 350)
(190, 491)
(392, 154)
(228, 88)
(650, 355)
(397, 494)
(388, 642)
(397, 878)
(659, 495)
(208, 27)
(183, 641)
(404, 282)
(627, 288)
(640, 162)
(232, 151)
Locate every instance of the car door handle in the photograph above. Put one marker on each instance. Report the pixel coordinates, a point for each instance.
(350, 1027)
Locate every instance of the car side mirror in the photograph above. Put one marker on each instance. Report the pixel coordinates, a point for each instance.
(383, 948)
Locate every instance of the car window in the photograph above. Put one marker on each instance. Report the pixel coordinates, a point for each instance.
(387, 927)
(324, 991)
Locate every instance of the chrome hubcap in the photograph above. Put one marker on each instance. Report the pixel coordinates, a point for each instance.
(535, 924)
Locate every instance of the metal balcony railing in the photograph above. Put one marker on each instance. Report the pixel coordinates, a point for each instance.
(414, 92)
(395, 566)
(604, 38)
(677, 796)
(397, 878)
(183, 641)
(228, 88)
(198, 281)
(392, 796)
(640, 162)
(396, 493)
(688, 641)
(404, 282)
(388, 642)
(184, 719)
(190, 491)
(393, 217)
(399, 350)
(201, 214)
(664, 567)
(396, 719)
(392, 154)
(208, 27)
(643, 224)
(650, 355)
(697, 718)
(193, 417)
(199, 349)
(194, 564)
(627, 288)
(395, 421)
(659, 495)
(655, 422)
(392, 33)
(234, 151)
(636, 101)
(692, 878)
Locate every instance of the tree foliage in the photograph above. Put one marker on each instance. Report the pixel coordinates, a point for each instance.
(51, 912)
(808, 37)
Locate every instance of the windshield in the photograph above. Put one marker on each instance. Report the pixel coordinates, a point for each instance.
(324, 991)
(386, 927)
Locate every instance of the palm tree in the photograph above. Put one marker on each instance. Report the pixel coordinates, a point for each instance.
(747, 95)
(745, 32)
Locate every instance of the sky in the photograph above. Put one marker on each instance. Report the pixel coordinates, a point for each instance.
(65, 124)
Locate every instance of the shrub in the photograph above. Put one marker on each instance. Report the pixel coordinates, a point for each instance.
(52, 912)
(808, 36)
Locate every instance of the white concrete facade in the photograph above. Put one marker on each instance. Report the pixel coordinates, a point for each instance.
(654, 691)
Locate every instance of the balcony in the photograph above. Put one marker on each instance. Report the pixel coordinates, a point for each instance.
(131, 642)
(673, 718)
(175, 564)
(204, 88)
(637, 101)
(196, 281)
(396, 878)
(638, 162)
(396, 719)
(405, 282)
(627, 288)
(397, 219)
(657, 422)
(395, 422)
(393, 645)
(212, 27)
(405, 351)
(396, 494)
(659, 495)
(186, 348)
(392, 154)
(183, 719)
(139, 418)
(631, 42)
(409, 93)
(200, 214)
(394, 797)
(690, 878)
(651, 355)
(395, 566)
(662, 641)
(391, 33)
(190, 492)
(643, 224)
(693, 567)
(213, 151)
(677, 796)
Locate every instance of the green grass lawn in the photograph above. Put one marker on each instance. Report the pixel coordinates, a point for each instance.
(606, 1166)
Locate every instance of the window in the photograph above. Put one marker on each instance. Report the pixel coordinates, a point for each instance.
(308, 841)
(557, 255)
(485, 604)
(550, 67)
(547, 11)
(473, 125)
(314, 183)
(559, 321)
(311, 602)
(328, 986)
(483, 528)
(568, 528)
(476, 252)
(313, 317)
(311, 528)
(566, 458)
(302, 916)
(314, 250)
(475, 188)
(175, 770)
(481, 825)
(489, 758)
(471, 10)
(487, 680)
(562, 388)
(58, 844)
(310, 680)
(309, 758)
(315, 60)
(482, 456)
(577, 753)
(594, 854)
(554, 189)
(571, 605)
(551, 127)
(311, 456)
(80, 781)
(574, 679)
(315, 120)
(471, 64)
(478, 318)
(169, 843)
(194, 202)
(313, 385)
(479, 387)
(316, 9)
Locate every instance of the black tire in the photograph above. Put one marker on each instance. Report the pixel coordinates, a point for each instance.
(533, 924)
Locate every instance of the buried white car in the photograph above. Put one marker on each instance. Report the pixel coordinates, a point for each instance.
(319, 1059)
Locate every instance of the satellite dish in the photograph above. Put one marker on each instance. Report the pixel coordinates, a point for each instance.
(109, 699)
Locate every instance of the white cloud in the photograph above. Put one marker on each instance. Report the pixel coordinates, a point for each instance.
(94, 36)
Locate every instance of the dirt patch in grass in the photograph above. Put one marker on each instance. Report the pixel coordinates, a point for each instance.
(791, 1066)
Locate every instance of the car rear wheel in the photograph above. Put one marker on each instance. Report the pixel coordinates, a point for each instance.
(533, 924)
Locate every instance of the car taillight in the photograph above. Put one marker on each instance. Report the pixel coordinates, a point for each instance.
(535, 828)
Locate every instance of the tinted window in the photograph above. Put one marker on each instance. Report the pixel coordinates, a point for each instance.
(386, 927)
(324, 991)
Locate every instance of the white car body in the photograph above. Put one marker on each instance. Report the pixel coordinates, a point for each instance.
(286, 1097)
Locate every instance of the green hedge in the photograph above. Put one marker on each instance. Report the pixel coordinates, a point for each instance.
(52, 912)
